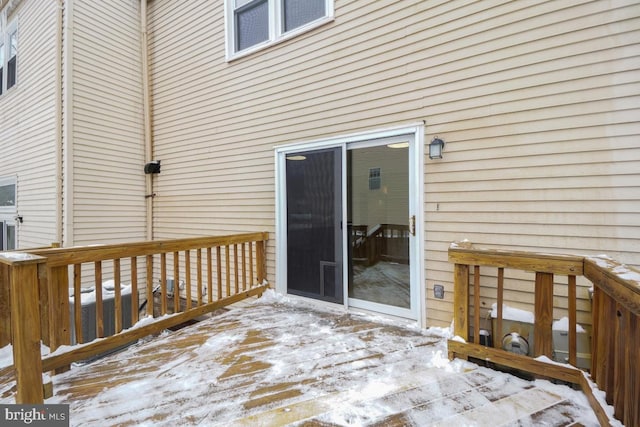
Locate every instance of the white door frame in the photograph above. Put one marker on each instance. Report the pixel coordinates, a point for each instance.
(416, 187)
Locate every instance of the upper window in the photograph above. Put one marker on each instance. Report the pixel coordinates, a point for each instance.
(7, 193)
(252, 24)
(8, 55)
(12, 57)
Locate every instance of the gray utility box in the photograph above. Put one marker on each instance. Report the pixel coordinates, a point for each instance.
(561, 348)
(88, 311)
(506, 340)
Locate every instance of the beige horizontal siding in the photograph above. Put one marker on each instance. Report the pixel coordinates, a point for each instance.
(28, 137)
(108, 149)
(537, 101)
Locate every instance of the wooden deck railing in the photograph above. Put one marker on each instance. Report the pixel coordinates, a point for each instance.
(384, 242)
(616, 335)
(615, 351)
(216, 271)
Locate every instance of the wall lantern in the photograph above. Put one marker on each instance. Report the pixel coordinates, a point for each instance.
(152, 167)
(435, 148)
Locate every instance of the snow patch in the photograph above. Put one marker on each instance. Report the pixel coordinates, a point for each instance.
(88, 295)
(440, 332)
(18, 256)
(563, 325)
(6, 354)
(511, 313)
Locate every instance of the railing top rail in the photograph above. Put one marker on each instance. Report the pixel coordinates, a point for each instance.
(76, 255)
(616, 279)
(20, 258)
(466, 253)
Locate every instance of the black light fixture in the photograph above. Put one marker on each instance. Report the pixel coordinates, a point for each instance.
(152, 167)
(435, 148)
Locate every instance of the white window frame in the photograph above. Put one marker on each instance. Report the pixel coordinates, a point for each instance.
(416, 173)
(5, 224)
(8, 213)
(5, 45)
(276, 27)
(9, 180)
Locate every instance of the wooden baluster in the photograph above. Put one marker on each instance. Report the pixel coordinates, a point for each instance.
(497, 340)
(45, 312)
(163, 284)
(251, 282)
(209, 276)
(244, 268)
(595, 333)
(199, 275)
(476, 304)
(543, 314)
(99, 306)
(117, 297)
(219, 270)
(261, 260)
(176, 282)
(573, 341)
(227, 253)
(187, 278)
(77, 302)
(632, 367)
(619, 375)
(461, 300)
(134, 290)
(611, 349)
(605, 346)
(150, 300)
(235, 268)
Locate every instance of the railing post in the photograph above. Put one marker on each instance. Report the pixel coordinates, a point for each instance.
(543, 314)
(461, 301)
(261, 260)
(25, 325)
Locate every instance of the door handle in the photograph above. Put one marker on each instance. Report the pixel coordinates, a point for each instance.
(412, 225)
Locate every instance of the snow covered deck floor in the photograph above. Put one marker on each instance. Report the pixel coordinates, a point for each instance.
(277, 362)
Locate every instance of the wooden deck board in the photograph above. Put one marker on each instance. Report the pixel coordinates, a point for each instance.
(279, 364)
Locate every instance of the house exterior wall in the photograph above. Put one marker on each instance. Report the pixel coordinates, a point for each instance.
(104, 133)
(28, 126)
(537, 102)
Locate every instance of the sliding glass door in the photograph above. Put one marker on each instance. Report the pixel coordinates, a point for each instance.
(347, 214)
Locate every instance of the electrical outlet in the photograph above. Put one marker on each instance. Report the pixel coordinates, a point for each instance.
(438, 291)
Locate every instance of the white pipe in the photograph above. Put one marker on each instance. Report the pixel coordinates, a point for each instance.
(59, 141)
(146, 101)
(67, 134)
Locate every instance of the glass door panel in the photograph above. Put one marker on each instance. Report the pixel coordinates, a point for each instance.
(378, 224)
(314, 218)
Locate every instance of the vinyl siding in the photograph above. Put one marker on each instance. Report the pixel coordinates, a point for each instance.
(537, 102)
(28, 135)
(107, 145)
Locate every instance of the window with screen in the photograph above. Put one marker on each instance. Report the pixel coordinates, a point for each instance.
(8, 55)
(252, 24)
